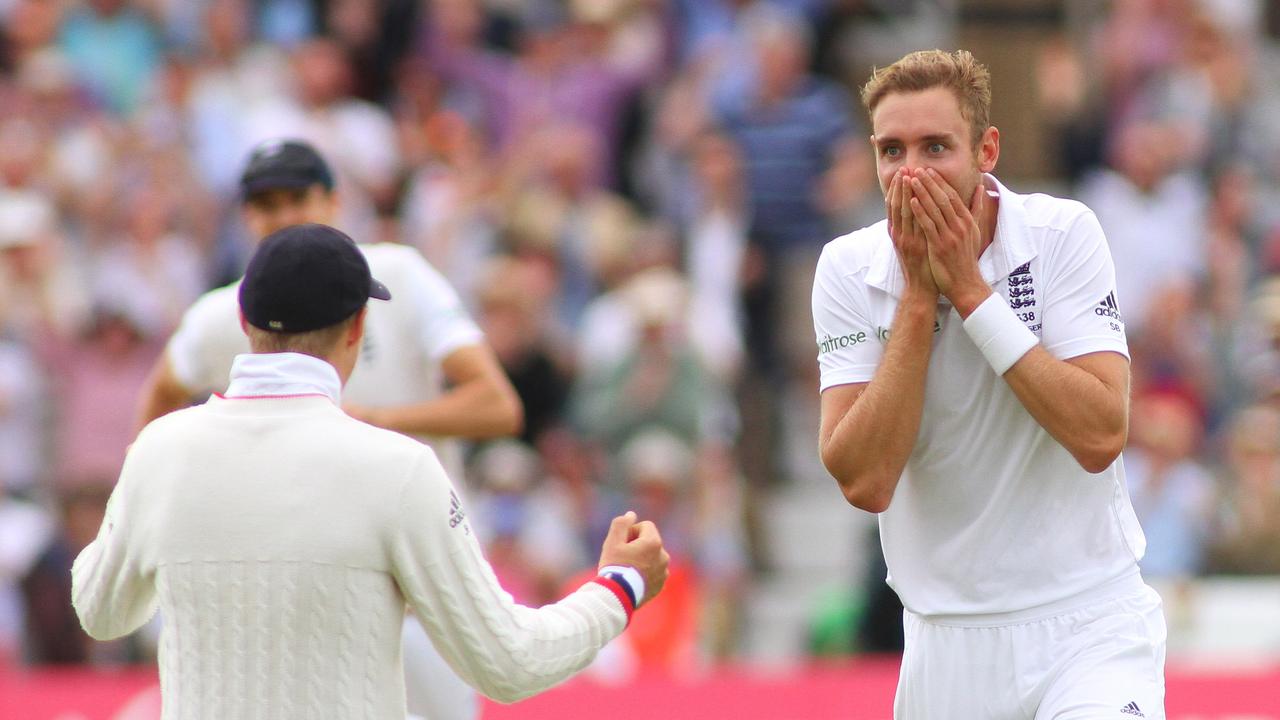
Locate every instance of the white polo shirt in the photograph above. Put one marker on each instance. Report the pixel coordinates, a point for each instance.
(405, 339)
(991, 515)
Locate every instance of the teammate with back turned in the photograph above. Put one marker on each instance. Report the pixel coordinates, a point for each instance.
(425, 369)
(975, 382)
(282, 539)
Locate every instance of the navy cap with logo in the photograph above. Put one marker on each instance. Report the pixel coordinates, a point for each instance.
(284, 165)
(306, 277)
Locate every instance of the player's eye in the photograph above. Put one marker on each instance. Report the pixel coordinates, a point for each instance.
(890, 151)
(936, 148)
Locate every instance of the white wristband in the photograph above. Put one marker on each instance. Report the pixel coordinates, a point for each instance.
(631, 575)
(998, 333)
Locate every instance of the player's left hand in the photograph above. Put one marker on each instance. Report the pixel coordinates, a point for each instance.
(953, 237)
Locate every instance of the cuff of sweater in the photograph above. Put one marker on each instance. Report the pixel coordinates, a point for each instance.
(615, 587)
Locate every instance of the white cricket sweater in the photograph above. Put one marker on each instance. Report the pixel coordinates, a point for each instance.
(282, 539)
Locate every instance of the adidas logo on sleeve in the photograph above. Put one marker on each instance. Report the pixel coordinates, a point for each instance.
(1107, 308)
(1132, 709)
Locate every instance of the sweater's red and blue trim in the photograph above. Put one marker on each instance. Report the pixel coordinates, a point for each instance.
(619, 592)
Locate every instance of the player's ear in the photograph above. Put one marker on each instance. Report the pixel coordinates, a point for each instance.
(989, 149)
(327, 199)
(355, 333)
(244, 324)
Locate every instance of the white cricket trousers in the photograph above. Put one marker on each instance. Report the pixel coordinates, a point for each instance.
(1104, 660)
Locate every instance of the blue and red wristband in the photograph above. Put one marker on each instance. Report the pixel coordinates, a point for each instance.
(620, 589)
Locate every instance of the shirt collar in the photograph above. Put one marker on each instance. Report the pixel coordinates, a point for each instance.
(286, 374)
(1010, 248)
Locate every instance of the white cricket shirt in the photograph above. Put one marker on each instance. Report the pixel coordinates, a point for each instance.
(991, 515)
(405, 339)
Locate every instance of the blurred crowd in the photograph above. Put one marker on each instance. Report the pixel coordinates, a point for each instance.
(630, 196)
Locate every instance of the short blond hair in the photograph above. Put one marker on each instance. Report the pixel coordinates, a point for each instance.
(316, 343)
(959, 72)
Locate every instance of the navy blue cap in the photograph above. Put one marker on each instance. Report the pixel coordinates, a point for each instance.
(306, 277)
(284, 165)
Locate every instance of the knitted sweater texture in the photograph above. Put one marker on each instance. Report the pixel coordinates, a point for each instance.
(282, 540)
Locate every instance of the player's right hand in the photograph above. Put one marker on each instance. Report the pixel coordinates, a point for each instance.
(639, 545)
(907, 235)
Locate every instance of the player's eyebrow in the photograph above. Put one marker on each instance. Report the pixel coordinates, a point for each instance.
(930, 138)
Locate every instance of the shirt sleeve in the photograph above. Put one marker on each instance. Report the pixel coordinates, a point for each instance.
(848, 349)
(111, 591)
(1081, 313)
(443, 322)
(505, 650)
(207, 338)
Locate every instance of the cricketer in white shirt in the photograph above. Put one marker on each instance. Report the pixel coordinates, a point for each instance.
(404, 341)
(994, 524)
